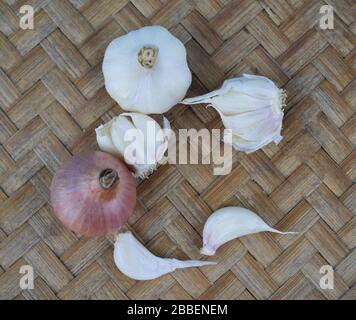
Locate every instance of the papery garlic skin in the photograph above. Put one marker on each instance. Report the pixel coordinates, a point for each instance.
(138, 263)
(146, 70)
(149, 150)
(229, 223)
(252, 107)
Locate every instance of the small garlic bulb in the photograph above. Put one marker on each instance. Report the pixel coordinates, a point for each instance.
(252, 107)
(137, 138)
(146, 70)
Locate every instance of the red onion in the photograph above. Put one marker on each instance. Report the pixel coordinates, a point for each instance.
(93, 194)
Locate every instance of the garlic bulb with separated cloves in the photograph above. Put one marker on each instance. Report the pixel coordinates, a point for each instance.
(229, 223)
(146, 70)
(252, 107)
(138, 263)
(137, 138)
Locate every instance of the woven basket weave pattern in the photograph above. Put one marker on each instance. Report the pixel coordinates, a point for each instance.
(52, 96)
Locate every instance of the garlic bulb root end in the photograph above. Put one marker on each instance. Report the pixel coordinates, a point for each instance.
(142, 175)
(283, 98)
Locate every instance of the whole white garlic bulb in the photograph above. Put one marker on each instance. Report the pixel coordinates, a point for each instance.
(137, 138)
(252, 107)
(146, 70)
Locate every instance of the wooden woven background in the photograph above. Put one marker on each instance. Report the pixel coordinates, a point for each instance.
(52, 97)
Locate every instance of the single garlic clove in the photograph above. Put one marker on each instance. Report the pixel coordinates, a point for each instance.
(145, 151)
(207, 98)
(249, 146)
(138, 263)
(103, 137)
(229, 223)
(154, 145)
(258, 86)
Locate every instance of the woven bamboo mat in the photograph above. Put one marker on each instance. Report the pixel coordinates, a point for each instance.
(52, 97)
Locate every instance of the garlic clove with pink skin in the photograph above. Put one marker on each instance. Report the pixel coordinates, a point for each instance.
(138, 263)
(137, 138)
(252, 107)
(229, 223)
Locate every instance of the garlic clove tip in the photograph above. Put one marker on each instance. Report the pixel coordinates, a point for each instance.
(282, 232)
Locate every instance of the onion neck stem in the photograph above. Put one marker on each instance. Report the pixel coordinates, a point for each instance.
(107, 178)
(147, 56)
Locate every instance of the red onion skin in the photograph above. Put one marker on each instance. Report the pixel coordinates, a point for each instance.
(82, 204)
